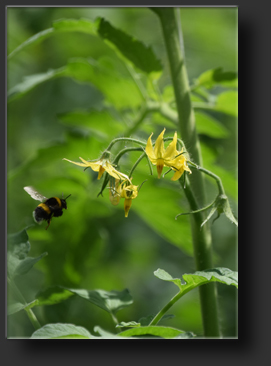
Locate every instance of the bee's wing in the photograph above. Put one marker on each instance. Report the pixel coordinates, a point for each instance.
(35, 194)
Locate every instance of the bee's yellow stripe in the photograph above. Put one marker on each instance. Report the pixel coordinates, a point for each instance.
(58, 201)
(45, 207)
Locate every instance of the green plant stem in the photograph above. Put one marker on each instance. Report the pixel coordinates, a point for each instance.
(195, 184)
(124, 151)
(214, 176)
(29, 312)
(32, 318)
(163, 311)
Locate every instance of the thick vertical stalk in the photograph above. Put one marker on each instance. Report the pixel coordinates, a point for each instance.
(201, 236)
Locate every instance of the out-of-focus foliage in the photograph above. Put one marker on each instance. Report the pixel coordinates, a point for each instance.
(72, 90)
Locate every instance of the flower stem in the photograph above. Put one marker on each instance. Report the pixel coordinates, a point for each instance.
(207, 172)
(195, 184)
(124, 139)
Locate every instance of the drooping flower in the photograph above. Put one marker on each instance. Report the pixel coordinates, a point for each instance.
(129, 192)
(101, 165)
(124, 190)
(160, 156)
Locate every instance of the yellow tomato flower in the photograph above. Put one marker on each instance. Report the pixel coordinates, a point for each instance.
(160, 156)
(101, 165)
(123, 190)
(129, 193)
(179, 165)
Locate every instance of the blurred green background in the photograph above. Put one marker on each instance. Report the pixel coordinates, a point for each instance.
(93, 246)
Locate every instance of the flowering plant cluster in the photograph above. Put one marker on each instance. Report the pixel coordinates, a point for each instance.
(121, 185)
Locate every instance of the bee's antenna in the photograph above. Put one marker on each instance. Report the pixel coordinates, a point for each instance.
(67, 197)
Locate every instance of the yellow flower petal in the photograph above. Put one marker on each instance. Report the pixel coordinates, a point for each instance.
(171, 151)
(149, 150)
(114, 172)
(159, 146)
(178, 174)
(100, 166)
(73, 162)
(179, 165)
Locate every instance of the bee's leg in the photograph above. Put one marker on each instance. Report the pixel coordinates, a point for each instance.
(49, 221)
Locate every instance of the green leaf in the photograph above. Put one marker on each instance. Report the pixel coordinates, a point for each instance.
(227, 103)
(217, 76)
(61, 25)
(220, 274)
(210, 126)
(17, 306)
(37, 38)
(53, 295)
(58, 331)
(76, 25)
(30, 82)
(157, 204)
(18, 244)
(134, 50)
(131, 324)
(17, 267)
(157, 331)
(97, 122)
(119, 91)
(110, 301)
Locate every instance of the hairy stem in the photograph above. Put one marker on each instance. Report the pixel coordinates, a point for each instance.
(201, 236)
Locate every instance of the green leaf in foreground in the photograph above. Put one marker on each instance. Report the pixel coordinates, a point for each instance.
(26, 264)
(134, 50)
(60, 331)
(53, 295)
(17, 306)
(131, 324)
(18, 244)
(156, 331)
(17, 267)
(110, 301)
(191, 281)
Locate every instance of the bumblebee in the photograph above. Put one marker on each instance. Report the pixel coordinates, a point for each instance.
(48, 208)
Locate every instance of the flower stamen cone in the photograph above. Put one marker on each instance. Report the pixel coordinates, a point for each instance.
(127, 206)
(159, 166)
